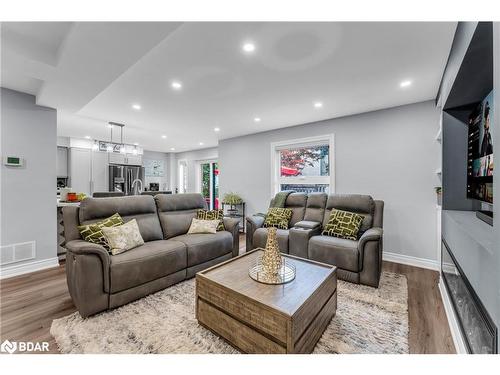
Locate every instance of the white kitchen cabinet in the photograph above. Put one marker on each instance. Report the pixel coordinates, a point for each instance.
(134, 159)
(100, 171)
(62, 162)
(125, 159)
(80, 167)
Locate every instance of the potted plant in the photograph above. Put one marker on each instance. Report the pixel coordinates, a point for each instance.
(439, 193)
(232, 199)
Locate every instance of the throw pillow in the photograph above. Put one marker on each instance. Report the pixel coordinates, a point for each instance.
(278, 217)
(124, 237)
(343, 224)
(203, 226)
(212, 215)
(93, 232)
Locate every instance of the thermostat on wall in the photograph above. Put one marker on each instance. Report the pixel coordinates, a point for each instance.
(13, 161)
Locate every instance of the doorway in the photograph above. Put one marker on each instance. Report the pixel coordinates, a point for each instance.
(209, 183)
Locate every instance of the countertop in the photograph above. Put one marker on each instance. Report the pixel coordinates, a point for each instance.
(66, 204)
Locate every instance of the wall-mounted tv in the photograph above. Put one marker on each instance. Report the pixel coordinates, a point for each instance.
(480, 151)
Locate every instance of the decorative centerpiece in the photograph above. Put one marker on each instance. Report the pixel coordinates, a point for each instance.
(271, 267)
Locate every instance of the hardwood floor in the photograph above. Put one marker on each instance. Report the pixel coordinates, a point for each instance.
(29, 303)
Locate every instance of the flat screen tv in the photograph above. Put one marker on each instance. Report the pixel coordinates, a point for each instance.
(480, 151)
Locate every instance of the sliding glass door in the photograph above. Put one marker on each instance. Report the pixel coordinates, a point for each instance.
(209, 181)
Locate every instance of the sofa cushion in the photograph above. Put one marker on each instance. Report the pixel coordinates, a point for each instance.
(315, 207)
(146, 263)
(93, 232)
(139, 207)
(336, 251)
(204, 247)
(260, 239)
(343, 224)
(278, 218)
(123, 237)
(297, 203)
(212, 215)
(360, 204)
(176, 212)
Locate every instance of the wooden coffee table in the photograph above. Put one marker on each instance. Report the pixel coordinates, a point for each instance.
(262, 318)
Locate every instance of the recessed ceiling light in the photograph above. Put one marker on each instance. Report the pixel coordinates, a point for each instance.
(405, 83)
(164, 136)
(172, 148)
(257, 119)
(216, 129)
(137, 107)
(201, 143)
(248, 47)
(136, 144)
(318, 105)
(87, 137)
(176, 85)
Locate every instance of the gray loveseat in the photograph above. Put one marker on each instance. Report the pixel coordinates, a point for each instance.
(357, 261)
(98, 281)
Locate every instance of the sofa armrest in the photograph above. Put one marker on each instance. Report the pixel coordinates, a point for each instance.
(256, 221)
(253, 223)
(372, 234)
(306, 224)
(233, 226)
(85, 248)
(298, 240)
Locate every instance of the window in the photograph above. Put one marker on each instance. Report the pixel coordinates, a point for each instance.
(304, 165)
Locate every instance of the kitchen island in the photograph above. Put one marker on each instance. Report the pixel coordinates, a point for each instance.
(61, 250)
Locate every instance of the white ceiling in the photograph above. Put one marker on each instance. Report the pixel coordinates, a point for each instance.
(93, 73)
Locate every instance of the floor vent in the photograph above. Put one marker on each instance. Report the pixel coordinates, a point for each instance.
(17, 252)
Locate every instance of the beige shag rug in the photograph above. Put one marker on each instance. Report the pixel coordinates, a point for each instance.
(368, 320)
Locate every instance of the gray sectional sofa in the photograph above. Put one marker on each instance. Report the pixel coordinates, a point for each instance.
(98, 281)
(357, 261)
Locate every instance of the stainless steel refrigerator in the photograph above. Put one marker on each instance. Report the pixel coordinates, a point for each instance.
(122, 177)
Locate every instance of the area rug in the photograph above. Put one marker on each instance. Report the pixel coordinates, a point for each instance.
(368, 320)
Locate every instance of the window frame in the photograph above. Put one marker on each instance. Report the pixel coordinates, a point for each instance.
(277, 179)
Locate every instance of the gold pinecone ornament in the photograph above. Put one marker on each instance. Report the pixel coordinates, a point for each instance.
(271, 260)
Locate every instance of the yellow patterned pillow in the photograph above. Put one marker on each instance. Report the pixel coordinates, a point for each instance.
(212, 215)
(343, 224)
(93, 232)
(278, 217)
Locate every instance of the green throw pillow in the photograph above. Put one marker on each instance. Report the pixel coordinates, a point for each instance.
(343, 224)
(93, 232)
(278, 217)
(212, 215)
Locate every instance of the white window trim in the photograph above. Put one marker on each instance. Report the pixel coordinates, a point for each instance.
(276, 146)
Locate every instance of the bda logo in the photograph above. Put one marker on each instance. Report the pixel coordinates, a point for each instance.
(8, 347)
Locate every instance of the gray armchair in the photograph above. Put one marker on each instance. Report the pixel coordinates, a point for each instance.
(358, 261)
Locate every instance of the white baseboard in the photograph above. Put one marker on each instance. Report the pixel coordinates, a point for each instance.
(411, 261)
(456, 333)
(21, 269)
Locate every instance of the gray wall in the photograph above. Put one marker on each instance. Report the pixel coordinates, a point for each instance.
(28, 196)
(390, 154)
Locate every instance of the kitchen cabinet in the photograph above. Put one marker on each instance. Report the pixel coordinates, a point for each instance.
(62, 161)
(80, 163)
(125, 159)
(100, 171)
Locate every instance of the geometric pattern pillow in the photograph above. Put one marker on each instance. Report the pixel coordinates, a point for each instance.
(93, 233)
(278, 217)
(212, 215)
(343, 224)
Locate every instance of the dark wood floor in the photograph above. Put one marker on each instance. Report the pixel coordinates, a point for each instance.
(30, 302)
